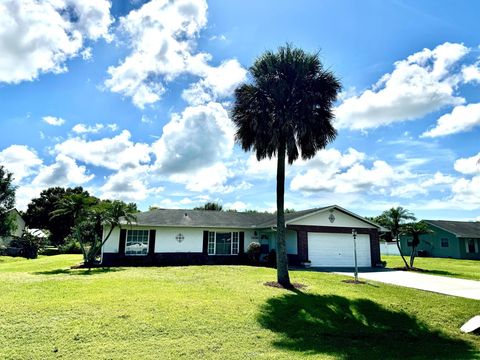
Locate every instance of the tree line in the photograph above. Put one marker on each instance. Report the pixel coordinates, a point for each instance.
(71, 216)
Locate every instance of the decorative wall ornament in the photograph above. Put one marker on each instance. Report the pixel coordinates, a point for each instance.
(179, 238)
(331, 218)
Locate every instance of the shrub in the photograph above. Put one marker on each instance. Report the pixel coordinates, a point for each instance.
(253, 252)
(271, 259)
(71, 246)
(26, 245)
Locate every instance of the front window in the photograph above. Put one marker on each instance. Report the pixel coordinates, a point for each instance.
(444, 242)
(471, 245)
(223, 243)
(136, 242)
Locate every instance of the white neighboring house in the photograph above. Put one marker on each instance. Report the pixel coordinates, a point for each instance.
(20, 226)
(322, 236)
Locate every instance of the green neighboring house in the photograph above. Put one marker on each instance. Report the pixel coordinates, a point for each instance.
(449, 239)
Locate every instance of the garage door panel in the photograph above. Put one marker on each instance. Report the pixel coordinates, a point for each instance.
(336, 250)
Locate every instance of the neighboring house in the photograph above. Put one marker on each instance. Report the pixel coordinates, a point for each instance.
(449, 239)
(20, 226)
(165, 236)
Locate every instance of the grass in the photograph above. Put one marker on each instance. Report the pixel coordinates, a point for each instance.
(464, 269)
(49, 311)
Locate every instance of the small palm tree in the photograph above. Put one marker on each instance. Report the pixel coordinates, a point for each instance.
(89, 218)
(285, 111)
(414, 230)
(393, 219)
(112, 215)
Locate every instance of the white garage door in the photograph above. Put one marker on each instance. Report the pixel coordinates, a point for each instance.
(336, 250)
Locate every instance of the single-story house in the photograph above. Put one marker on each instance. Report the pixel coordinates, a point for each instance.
(19, 227)
(448, 239)
(322, 236)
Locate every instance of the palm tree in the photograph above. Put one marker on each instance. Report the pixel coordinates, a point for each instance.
(89, 218)
(111, 215)
(393, 219)
(285, 111)
(415, 230)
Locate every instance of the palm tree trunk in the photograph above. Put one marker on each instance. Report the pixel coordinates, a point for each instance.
(400, 251)
(412, 257)
(282, 261)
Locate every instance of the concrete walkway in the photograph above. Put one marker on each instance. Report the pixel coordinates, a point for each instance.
(469, 289)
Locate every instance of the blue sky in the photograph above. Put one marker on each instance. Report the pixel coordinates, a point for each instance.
(131, 100)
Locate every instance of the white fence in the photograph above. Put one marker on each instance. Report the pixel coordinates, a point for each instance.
(389, 248)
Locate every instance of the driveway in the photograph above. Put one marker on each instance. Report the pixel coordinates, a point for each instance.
(469, 289)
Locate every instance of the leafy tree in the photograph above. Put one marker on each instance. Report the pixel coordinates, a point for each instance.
(7, 202)
(210, 206)
(394, 219)
(38, 214)
(414, 230)
(285, 111)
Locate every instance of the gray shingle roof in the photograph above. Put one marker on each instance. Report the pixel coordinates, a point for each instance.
(467, 229)
(200, 218)
(220, 219)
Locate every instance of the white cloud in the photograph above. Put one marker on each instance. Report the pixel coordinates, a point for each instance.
(265, 168)
(54, 121)
(418, 85)
(63, 172)
(471, 73)
(466, 194)
(84, 129)
(198, 138)
(461, 119)
(328, 160)
(343, 175)
(237, 205)
(115, 153)
(40, 36)
(208, 178)
(146, 120)
(468, 166)
(126, 185)
(438, 179)
(218, 82)
(160, 35)
(20, 160)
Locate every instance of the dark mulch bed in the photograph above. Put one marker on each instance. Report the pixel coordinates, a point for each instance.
(350, 281)
(280, 286)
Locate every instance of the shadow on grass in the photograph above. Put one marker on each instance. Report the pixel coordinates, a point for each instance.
(93, 271)
(354, 329)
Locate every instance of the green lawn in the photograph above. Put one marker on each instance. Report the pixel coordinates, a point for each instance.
(464, 269)
(219, 312)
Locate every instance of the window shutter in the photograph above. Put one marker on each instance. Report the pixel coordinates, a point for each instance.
(205, 242)
(151, 242)
(241, 243)
(123, 238)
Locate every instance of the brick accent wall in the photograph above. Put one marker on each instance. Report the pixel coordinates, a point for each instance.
(302, 245)
(375, 247)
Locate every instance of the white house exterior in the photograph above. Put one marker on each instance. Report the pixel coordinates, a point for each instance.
(20, 226)
(166, 237)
